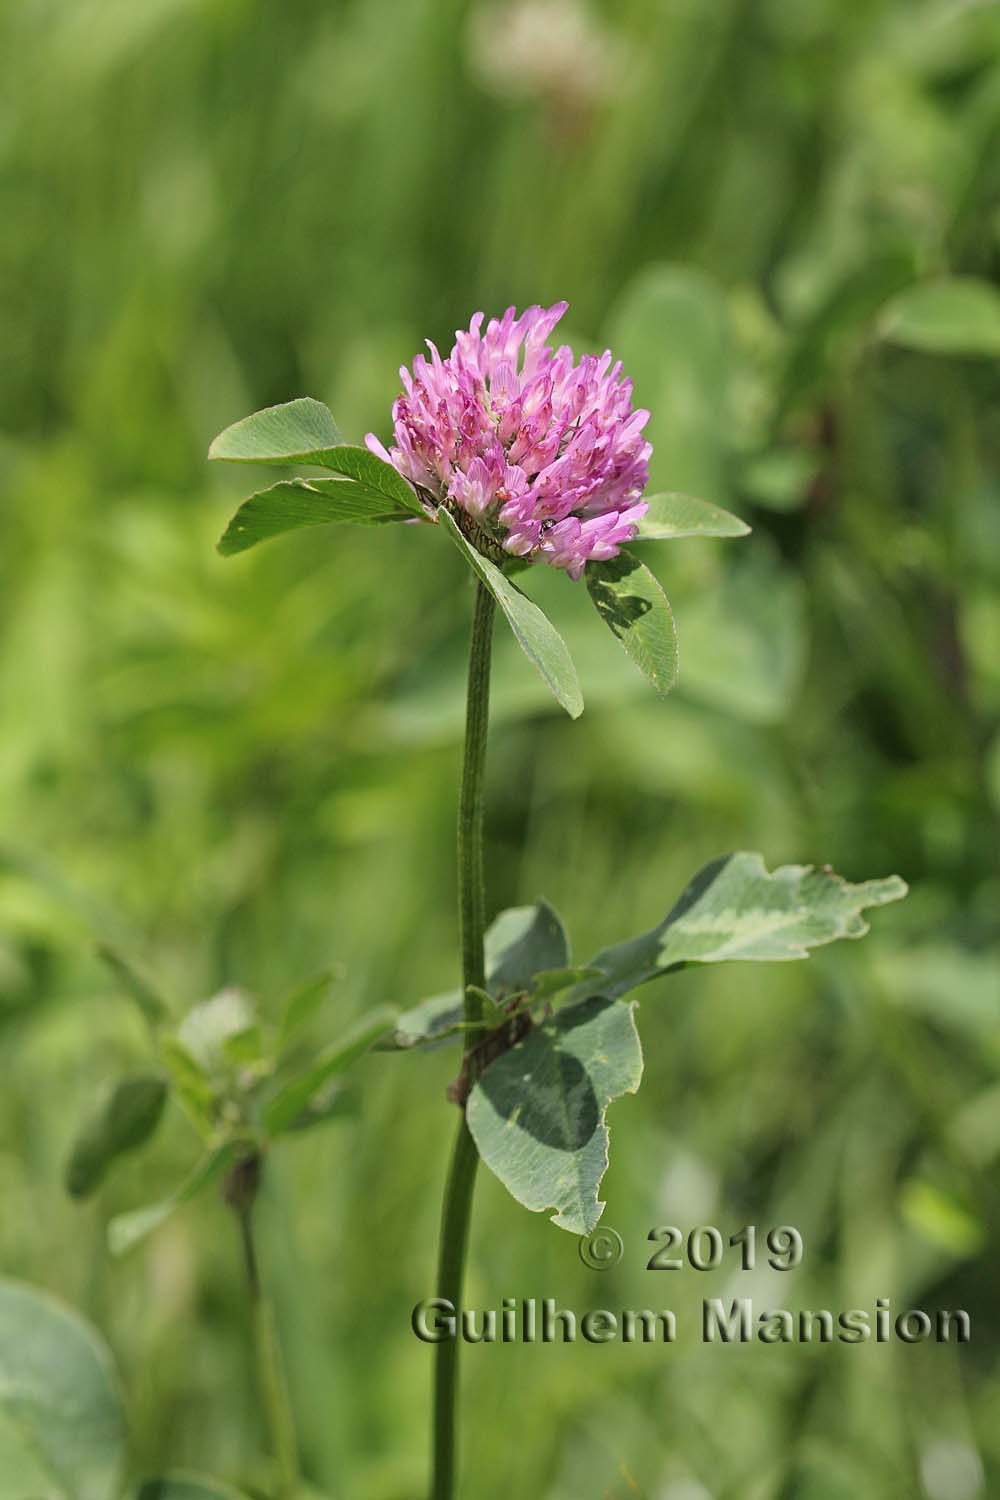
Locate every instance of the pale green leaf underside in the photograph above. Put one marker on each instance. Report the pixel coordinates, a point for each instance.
(735, 909)
(127, 1230)
(292, 504)
(62, 1424)
(187, 1487)
(537, 1114)
(520, 943)
(293, 1100)
(953, 315)
(671, 516)
(634, 607)
(535, 634)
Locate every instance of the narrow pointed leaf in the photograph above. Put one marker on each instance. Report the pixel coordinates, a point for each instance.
(288, 1104)
(735, 909)
(191, 1083)
(293, 504)
(538, 638)
(957, 315)
(303, 1003)
(152, 1006)
(671, 516)
(537, 1114)
(63, 1430)
(124, 1121)
(634, 607)
(126, 1230)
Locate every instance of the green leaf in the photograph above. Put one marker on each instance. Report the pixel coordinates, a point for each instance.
(433, 1020)
(125, 1120)
(554, 981)
(62, 1421)
(538, 638)
(634, 607)
(294, 503)
(304, 432)
(672, 515)
(192, 1084)
(290, 433)
(152, 1006)
(126, 1230)
(179, 1486)
(537, 1114)
(520, 942)
(491, 1014)
(285, 1108)
(246, 1048)
(211, 1024)
(735, 909)
(303, 1003)
(953, 315)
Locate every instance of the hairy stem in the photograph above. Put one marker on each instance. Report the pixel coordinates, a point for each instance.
(241, 1193)
(472, 918)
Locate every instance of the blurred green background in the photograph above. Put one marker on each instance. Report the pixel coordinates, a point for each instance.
(239, 771)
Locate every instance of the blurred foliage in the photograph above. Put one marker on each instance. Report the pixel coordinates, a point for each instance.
(237, 772)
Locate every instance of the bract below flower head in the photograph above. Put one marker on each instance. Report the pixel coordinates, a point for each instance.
(545, 453)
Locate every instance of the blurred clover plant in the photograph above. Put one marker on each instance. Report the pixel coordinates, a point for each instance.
(520, 454)
(243, 1086)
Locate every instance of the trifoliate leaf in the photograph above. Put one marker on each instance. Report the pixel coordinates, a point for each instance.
(521, 943)
(537, 1114)
(634, 607)
(304, 432)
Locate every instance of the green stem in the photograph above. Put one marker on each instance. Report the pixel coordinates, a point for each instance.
(457, 1206)
(271, 1375)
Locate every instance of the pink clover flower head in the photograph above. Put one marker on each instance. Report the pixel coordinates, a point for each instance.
(544, 453)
